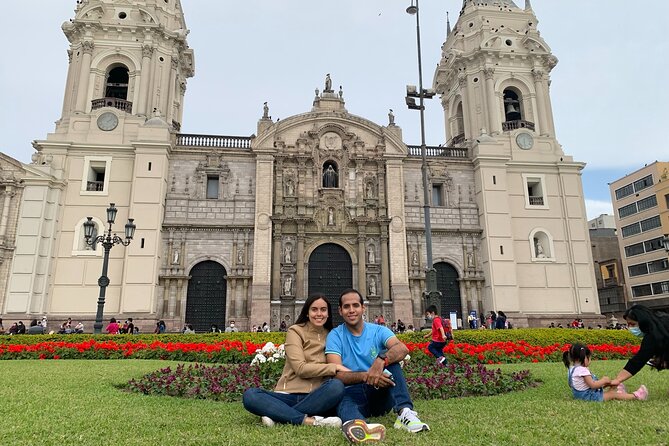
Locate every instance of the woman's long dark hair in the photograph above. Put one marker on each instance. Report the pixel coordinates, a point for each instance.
(649, 322)
(303, 318)
(577, 353)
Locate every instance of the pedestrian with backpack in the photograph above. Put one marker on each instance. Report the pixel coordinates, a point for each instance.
(437, 335)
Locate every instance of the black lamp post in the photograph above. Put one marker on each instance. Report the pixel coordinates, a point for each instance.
(431, 294)
(107, 240)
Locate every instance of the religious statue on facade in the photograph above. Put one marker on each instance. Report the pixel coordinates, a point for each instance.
(370, 190)
(328, 84)
(175, 257)
(331, 219)
(240, 256)
(414, 258)
(265, 111)
(470, 260)
(391, 117)
(288, 254)
(330, 177)
(288, 286)
(371, 255)
(372, 286)
(539, 249)
(290, 188)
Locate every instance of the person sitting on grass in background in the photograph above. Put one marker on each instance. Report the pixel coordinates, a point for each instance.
(585, 386)
(307, 392)
(113, 327)
(437, 335)
(375, 385)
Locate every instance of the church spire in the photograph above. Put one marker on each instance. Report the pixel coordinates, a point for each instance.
(448, 25)
(528, 5)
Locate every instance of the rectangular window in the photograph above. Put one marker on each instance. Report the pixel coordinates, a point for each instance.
(646, 203)
(624, 191)
(626, 211)
(632, 229)
(653, 244)
(437, 195)
(658, 265)
(95, 176)
(643, 183)
(642, 290)
(637, 270)
(535, 193)
(634, 250)
(650, 223)
(212, 187)
(661, 287)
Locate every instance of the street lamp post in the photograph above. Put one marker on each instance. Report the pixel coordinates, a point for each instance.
(431, 294)
(107, 240)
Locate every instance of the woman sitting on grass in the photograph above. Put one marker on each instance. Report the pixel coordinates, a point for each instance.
(585, 386)
(303, 394)
(653, 329)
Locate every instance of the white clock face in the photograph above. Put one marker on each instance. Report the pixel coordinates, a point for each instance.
(524, 141)
(107, 121)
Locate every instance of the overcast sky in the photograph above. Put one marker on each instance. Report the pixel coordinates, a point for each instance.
(609, 90)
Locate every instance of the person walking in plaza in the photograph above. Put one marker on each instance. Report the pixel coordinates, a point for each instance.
(437, 335)
(375, 384)
(653, 329)
(307, 392)
(586, 386)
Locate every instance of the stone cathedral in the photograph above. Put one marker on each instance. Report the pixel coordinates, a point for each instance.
(245, 227)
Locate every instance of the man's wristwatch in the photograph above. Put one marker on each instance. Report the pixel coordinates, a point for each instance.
(384, 356)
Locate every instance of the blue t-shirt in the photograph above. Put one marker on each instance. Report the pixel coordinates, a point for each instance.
(358, 352)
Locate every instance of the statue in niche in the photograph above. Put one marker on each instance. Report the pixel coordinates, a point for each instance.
(370, 190)
(175, 257)
(290, 188)
(331, 219)
(372, 286)
(391, 117)
(371, 255)
(330, 177)
(240, 256)
(288, 254)
(288, 286)
(414, 258)
(470, 260)
(539, 249)
(328, 84)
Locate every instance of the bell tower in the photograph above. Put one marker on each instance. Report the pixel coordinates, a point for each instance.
(493, 80)
(128, 66)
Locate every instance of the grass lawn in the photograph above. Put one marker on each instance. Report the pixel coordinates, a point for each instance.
(76, 403)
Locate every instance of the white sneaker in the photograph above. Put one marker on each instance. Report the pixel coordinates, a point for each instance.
(327, 421)
(408, 420)
(267, 421)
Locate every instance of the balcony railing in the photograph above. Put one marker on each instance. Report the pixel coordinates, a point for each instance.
(518, 124)
(445, 152)
(95, 186)
(536, 201)
(220, 141)
(118, 103)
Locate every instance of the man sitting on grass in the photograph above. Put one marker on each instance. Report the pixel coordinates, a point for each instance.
(375, 384)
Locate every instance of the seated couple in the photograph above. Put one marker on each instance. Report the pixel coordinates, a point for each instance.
(353, 375)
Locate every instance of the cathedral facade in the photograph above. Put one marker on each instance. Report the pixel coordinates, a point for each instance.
(245, 227)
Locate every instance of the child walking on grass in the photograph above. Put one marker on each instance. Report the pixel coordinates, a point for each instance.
(585, 386)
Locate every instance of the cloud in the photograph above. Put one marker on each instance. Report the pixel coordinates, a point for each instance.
(595, 208)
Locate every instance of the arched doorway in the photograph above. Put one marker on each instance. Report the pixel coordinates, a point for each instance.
(205, 302)
(447, 283)
(330, 273)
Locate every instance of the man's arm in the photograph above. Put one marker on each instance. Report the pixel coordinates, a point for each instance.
(347, 378)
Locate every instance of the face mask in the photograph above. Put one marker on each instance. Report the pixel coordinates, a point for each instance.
(636, 331)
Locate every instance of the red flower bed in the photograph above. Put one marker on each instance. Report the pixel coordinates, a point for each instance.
(236, 351)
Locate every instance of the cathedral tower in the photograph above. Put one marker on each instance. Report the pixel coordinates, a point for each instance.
(123, 102)
(493, 80)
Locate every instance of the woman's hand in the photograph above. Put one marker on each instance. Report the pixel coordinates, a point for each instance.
(342, 368)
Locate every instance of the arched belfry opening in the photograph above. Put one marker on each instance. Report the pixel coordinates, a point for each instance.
(330, 174)
(117, 83)
(512, 108)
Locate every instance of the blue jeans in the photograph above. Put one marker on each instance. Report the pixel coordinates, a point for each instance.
(293, 407)
(362, 400)
(436, 348)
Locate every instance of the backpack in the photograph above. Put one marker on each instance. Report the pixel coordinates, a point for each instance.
(446, 323)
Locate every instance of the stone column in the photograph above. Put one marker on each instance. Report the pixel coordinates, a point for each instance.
(84, 76)
(67, 99)
(172, 298)
(169, 89)
(4, 216)
(233, 310)
(494, 122)
(467, 103)
(179, 292)
(385, 262)
(276, 263)
(147, 51)
(362, 261)
(300, 291)
(165, 307)
(542, 113)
